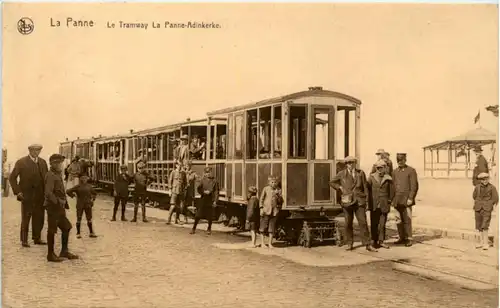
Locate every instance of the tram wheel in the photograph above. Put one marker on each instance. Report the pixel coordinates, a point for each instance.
(305, 236)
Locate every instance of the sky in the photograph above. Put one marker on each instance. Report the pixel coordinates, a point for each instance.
(422, 71)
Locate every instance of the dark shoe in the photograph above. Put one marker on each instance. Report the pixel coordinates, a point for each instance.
(113, 219)
(145, 220)
(26, 245)
(53, 258)
(133, 220)
(192, 232)
(92, 235)
(209, 232)
(383, 245)
(40, 242)
(78, 235)
(350, 247)
(68, 255)
(124, 219)
(370, 248)
(400, 242)
(408, 243)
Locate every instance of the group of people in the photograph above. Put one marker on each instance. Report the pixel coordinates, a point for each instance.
(383, 188)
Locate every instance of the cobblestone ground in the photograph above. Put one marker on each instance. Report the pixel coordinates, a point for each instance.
(155, 265)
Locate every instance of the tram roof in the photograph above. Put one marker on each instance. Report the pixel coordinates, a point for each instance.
(313, 91)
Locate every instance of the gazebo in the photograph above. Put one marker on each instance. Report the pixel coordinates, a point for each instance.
(456, 161)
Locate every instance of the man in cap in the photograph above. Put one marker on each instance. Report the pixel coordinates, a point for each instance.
(405, 188)
(480, 167)
(120, 193)
(380, 197)
(56, 205)
(31, 171)
(142, 179)
(209, 191)
(383, 155)
(177, 183)
(351, 182)
(485, 199)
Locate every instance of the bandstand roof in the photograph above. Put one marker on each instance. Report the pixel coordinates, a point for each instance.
(478, 136)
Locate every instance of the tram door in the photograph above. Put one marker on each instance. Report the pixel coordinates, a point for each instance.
(321, 168)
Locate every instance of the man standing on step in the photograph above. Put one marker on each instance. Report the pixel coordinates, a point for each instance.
(31, 171)
(405, 191)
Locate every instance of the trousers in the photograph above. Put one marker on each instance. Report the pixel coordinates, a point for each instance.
(378, 221)
(360, 213)
(35, 212)
(404, 226)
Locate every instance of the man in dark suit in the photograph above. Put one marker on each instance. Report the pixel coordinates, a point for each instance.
(481, 165)
(405, 187)
(354, 189)
(31, 171)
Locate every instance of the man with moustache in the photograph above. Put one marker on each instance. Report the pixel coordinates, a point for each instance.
(31, 171)
(405, 191)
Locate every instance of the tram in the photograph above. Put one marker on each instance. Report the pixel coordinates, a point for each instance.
(301, 138)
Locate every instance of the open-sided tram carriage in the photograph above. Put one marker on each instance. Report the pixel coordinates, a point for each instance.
(301, 138)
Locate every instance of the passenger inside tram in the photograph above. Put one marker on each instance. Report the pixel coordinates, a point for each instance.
(197, 148)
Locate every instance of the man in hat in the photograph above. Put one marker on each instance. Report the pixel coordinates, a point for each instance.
(31, 171)
(177, 183)
(480, 167)
(351, 182)
(142, 179)
(209, 191)
(405, 181)
(56, 205)
(190, 187)
(73, 171)
(383, 155)
(183, 150)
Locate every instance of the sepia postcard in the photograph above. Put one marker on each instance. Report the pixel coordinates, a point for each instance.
(249, 155)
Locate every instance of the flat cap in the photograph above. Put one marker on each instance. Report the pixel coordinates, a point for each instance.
(252, 189)
(184, 137)
(35, 146)
(380, 163)
(56, 158)
(483, 175)
(140, 164)
(350, 159)
(380, 151)
(207, 169)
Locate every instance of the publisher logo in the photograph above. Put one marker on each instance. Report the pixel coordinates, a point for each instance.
(25, 26)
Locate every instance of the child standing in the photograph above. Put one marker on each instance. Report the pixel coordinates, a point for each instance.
(122, 182)
(253, 213)
(84, 202)
(485, 198)
(270, 203)
(142, 179)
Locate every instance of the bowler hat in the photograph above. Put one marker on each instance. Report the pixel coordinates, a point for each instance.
(56, 158)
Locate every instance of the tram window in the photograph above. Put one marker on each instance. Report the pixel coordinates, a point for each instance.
(277, 131)
(238, 140)
(198, 142)
(265, 132)
(298, 131)
(220, 143)
(252, 140)
(345, 132)
(321, 129)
